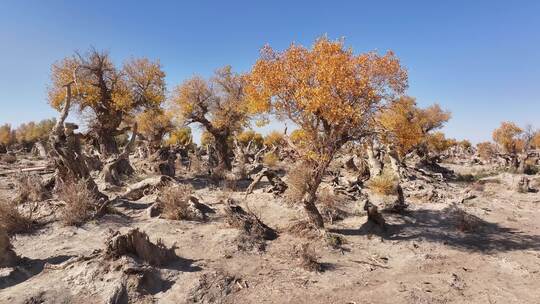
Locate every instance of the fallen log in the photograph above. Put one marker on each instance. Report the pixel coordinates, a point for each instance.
(39, 170)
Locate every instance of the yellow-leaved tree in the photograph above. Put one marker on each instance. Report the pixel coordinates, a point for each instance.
(218, 105)
(507, 137)
(6, 137)
(405, 128)
(330, 93)
(110, 94)
(153, 125)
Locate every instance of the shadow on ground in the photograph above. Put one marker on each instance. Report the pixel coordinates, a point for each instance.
(29, 268)
(455, 228)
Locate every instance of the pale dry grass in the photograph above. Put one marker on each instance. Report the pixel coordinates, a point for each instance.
(270, 159)
(29, 187)
(80, 203)
(12, 221)
(175, 203)
(384, 184)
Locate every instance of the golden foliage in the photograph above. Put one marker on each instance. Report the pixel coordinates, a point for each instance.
(32, 132)
(247, 136)
(535, 141)
(328, 91)
(486, 150)
(274, 139)
(406, 126)
(6, 135)
(507, 137)
(437, 142)
(180, 136)
(153, 124)
(385, 183)
(218, 104)
(327, 82)
(100, 85)
(270, 159)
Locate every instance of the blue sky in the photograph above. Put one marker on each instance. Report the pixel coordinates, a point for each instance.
(479, 59)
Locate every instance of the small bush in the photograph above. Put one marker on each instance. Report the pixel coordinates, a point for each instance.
(175, 203)
(9, 158)
(30, 188)
(80, 203)
(11, 219)
(270, 159)
(385, 184)
(308, 258)
(297, 180)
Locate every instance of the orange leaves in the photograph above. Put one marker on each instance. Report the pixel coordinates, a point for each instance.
(218, 104)
(507, 137)
(326, 88)
(405, 126)
(99, 84)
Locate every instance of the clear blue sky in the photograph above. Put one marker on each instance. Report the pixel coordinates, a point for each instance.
(479, 59)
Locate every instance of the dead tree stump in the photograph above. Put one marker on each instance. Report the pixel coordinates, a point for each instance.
(137, 243)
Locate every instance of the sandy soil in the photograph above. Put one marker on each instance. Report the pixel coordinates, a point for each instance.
(424, 257)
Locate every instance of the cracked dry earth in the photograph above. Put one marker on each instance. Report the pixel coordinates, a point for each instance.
(426, 256)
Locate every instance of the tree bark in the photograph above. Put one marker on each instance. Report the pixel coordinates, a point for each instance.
(375, 165)
(222, 151)
(315, 217)
(70, 165)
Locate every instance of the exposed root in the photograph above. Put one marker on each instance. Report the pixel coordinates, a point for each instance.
(137, 243)
(253, 231)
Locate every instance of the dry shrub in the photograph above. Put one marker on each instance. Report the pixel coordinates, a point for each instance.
(7, 255)
(9, 158)
(30, 187)
(176, 205)
(254, 232)
(297, 179)
(328, 206)
(11, 219)
(304, 229)
(385, 184)
(307, 258)
(270, 159)
(80, 203)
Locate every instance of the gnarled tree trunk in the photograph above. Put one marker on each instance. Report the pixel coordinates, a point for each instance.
(70, 165)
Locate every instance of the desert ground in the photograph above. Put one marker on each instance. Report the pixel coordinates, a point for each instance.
(460, 240)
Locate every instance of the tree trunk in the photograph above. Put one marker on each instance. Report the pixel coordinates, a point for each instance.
(308, 202)
(222, 151)
(70, 165)
(375, 165)
(107, 143)
(394, 161)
